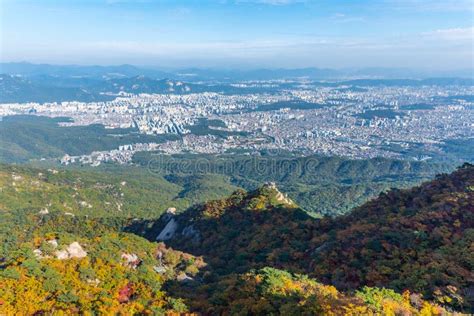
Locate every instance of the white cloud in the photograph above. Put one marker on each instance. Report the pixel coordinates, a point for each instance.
(344, 18)
(453, 34)
(448, 48)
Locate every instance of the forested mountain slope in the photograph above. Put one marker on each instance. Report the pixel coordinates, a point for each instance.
(254, 253)
(244, 231)
(64, 264)
(320, 185)
(419, 239)
(69, 265)
(120, 192)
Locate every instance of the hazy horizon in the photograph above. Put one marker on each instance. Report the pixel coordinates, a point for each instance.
(225, 68)
(426, 35)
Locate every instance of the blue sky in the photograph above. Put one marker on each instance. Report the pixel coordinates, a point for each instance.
(430, 34)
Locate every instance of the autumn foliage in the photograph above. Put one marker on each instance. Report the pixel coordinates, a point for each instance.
(408, 252)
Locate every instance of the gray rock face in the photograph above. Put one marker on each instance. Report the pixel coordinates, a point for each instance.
(169, 230)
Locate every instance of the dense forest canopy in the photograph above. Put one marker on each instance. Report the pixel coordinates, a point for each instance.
(406, 252)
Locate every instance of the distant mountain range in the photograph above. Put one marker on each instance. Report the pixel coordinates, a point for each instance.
(17, 89)
(25, 82)
(46, 88)
(35, 87)
(76, 71)
(202, 74)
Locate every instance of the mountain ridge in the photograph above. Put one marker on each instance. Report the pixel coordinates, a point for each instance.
(31, 69)
(426, 230)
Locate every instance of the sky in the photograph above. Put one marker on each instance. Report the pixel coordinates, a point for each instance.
(418, 34)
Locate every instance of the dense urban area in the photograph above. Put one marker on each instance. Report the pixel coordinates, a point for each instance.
(303, 117)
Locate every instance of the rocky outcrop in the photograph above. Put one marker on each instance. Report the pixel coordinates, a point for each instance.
(130, 260)
(279, 196)
(74, 250)
(169, 230)
(44, 211)
(171, 225)
(183, 277)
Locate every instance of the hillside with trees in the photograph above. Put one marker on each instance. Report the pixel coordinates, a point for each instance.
(418, 239)
(408, 252)
(421, 239)
(75, 265)
(320, 185)
(119, 192)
